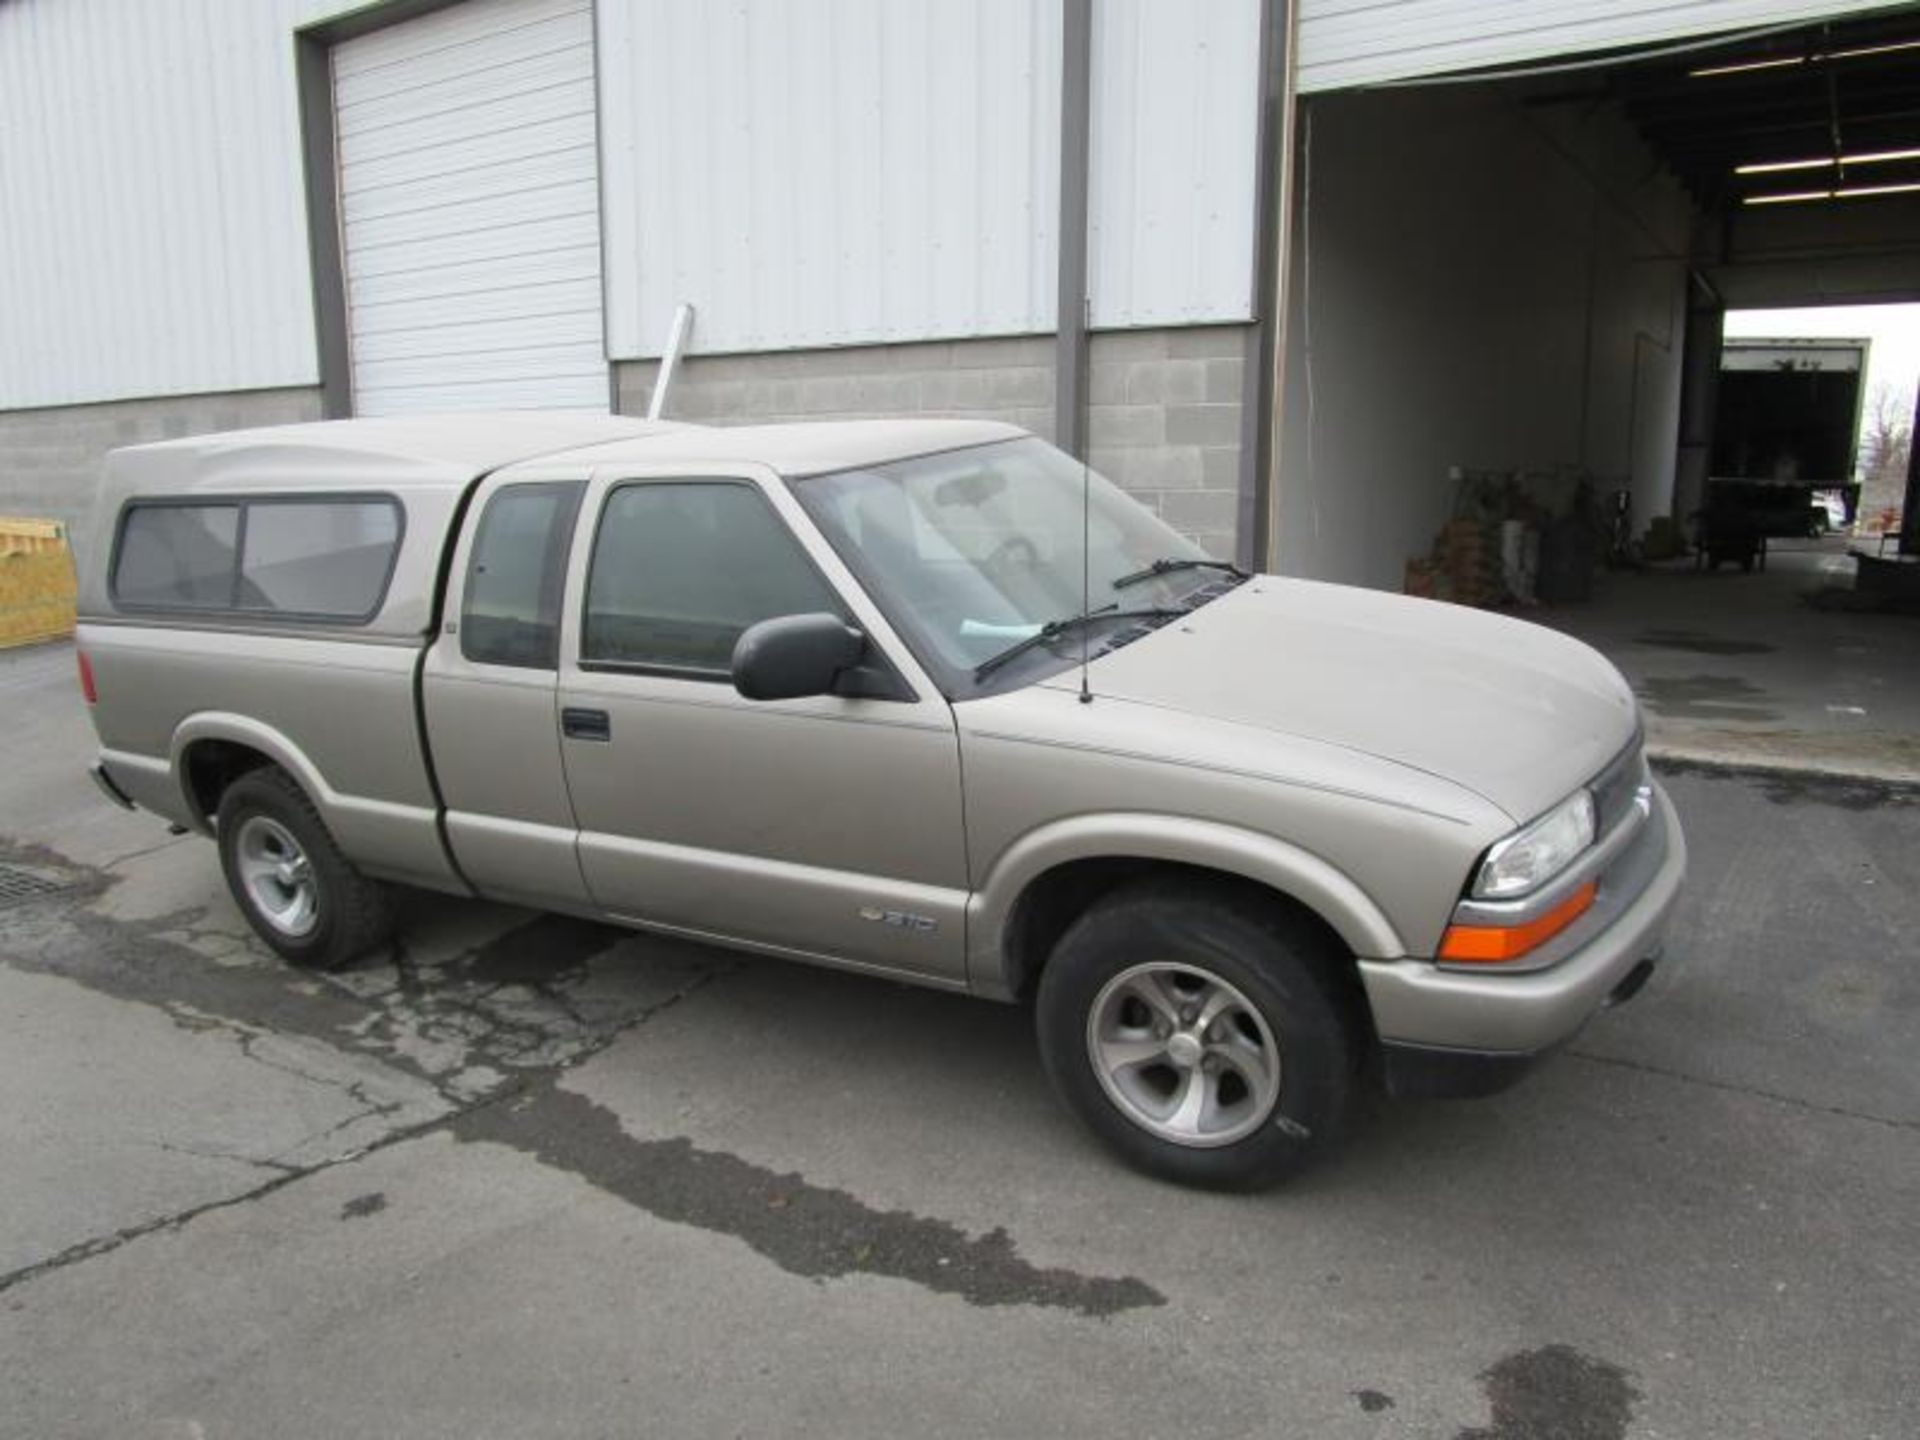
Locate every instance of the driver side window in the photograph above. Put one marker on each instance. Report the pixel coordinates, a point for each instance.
(680, 568)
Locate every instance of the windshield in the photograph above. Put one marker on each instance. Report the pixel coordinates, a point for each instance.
(972, 551)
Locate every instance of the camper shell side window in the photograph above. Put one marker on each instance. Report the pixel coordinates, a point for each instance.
(325, 558)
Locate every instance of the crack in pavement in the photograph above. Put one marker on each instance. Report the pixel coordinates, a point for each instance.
(107, 1244)
(1754, 1091)
(226, 1155)
(117, 861)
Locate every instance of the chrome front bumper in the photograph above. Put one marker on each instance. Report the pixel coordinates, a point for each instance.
(1418, 1004)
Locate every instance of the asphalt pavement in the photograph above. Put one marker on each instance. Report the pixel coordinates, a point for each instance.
(529, 1176)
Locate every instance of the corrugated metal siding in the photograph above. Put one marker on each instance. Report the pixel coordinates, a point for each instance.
(1363, 42)
(1175, 123)
(469, 202)
(811, 172)
(152, 225)
(831, 172)
(845, 172)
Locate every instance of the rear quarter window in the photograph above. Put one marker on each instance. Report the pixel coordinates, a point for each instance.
(511, 611)
(323, 559)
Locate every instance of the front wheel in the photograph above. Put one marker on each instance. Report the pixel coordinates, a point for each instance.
(1198, 1036)
(298, 891)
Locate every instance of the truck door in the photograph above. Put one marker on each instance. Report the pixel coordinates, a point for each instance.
(490, 692)
(826, 828)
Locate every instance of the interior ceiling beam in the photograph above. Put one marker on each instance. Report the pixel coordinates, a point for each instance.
(1852, 99)
(1854, 130)
(1764, 87)
(1812, 142)
(1783, 117)
(1703, 127)
(1724, 168)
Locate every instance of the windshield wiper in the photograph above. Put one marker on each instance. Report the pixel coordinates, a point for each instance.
(1053, 629)
(1167, 567)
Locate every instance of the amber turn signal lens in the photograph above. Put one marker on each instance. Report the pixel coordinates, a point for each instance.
(1490, 944)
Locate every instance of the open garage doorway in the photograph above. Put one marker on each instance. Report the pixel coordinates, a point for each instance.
(1509, 315)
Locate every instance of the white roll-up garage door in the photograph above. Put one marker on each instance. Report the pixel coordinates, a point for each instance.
(470, 209)
(1364, 42)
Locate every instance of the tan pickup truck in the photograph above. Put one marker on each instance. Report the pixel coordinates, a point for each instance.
(921, 699)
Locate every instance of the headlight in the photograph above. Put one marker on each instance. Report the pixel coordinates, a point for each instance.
(1527, 859)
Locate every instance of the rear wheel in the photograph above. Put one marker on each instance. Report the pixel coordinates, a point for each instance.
(298, 891)
(1198, 1035)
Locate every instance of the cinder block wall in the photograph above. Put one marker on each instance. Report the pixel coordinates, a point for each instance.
(1164, 412)
(1164, 405)
(50, 459)
(1164, 422)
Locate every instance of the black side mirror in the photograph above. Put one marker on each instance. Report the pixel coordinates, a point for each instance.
(793, 656)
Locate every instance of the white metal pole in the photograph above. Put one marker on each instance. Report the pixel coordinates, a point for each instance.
(676, 338)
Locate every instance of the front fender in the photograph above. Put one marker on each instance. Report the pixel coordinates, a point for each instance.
(1328, 892)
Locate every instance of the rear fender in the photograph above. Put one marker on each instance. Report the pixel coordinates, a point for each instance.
(383, 837)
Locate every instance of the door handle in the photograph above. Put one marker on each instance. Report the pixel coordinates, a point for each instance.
(585, 724)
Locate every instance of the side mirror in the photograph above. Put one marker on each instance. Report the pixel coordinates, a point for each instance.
(794, 656)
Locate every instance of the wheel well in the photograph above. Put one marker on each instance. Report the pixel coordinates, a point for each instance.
(1058, 897)
(212, 765)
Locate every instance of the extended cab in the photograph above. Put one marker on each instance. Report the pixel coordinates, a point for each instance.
(922, 699)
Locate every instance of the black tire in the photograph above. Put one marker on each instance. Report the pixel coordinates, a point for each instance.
(349, 914)
(1278, 961)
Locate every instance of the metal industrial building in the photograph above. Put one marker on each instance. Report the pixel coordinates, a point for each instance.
(1506, 229)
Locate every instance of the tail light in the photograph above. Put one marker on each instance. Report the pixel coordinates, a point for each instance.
(86, 677)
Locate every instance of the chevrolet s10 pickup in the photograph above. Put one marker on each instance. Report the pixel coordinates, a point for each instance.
(923, 699)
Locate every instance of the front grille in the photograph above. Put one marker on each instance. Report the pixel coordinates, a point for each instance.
(1616, 787)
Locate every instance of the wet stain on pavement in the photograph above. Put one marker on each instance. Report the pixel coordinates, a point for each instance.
(1843, 792)
(1705, 697)
(1373, 1401)
(1699, 644)
(544, 951)
(362, 1206)
(1555, 1393)
(805, 1229)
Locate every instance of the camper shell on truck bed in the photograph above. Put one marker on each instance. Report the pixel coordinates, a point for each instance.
(925, 699)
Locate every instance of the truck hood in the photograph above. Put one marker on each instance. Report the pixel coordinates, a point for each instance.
(1515, 712)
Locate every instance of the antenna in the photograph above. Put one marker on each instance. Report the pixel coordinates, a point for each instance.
(1086, 533)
